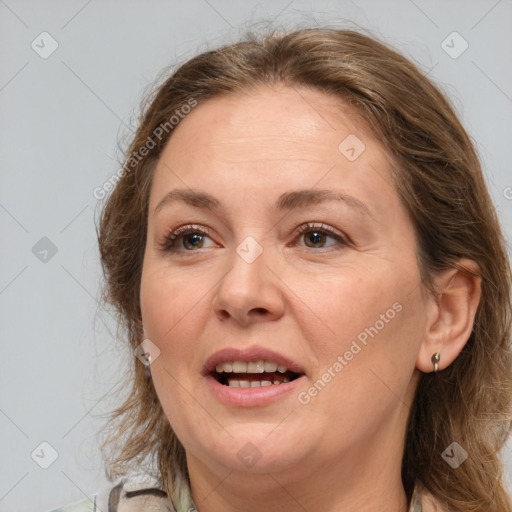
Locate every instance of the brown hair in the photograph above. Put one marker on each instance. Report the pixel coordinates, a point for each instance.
(439, 179)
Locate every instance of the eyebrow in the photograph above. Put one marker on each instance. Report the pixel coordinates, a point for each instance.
(287, 201)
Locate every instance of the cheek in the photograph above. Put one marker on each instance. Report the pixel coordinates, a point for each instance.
(365, 334)
(364, 372)
(171, 307)
(336, 307)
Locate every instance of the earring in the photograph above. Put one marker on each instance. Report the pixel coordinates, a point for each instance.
(146, 361)
(435, 361)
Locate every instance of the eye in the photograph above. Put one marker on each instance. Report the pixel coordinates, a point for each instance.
(190, 238)
(316, 235)
(186, 238)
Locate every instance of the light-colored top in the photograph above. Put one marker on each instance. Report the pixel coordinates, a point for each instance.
(141, 493)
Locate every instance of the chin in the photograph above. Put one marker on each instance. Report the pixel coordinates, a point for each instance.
(252, 450)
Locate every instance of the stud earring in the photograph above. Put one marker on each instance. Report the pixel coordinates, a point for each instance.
(435, 361)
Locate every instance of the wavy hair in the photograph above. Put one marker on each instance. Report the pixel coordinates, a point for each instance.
(438, 177)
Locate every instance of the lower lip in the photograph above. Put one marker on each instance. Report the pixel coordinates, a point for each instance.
(250, 397)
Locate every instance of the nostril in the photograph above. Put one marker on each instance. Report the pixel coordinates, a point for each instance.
(224, 314)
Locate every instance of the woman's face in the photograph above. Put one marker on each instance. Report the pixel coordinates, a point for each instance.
(294, 273)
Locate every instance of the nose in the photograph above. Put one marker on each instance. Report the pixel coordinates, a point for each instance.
(249, 292)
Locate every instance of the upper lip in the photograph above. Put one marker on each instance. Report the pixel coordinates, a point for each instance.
(249, 354)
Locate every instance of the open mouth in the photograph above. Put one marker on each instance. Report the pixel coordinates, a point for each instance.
(241, 374)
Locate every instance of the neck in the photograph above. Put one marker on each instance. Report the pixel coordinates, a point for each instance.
(361, 482)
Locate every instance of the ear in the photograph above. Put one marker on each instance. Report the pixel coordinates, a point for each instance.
(451, 314)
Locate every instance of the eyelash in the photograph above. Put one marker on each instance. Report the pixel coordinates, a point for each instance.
(168, 241)
(322, 228)
(167, 244)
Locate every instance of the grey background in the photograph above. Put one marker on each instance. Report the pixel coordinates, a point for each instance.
(61, 118)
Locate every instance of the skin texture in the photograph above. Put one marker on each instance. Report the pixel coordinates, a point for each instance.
(342, 450)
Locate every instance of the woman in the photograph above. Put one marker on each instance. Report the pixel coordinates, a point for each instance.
(310, 271)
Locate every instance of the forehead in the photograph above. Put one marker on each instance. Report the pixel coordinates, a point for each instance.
(269, 140)
(276, 120)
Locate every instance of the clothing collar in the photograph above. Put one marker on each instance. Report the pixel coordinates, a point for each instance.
(145, 490)
(416, 499)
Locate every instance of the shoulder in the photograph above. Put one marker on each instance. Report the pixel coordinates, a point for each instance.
(135, 493)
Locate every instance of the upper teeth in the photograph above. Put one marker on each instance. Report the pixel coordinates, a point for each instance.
(251, 367)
